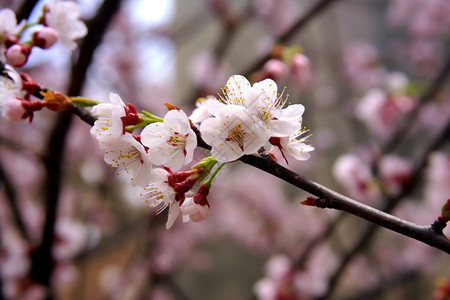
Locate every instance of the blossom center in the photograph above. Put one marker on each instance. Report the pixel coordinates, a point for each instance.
(177, 140)
(237, 135)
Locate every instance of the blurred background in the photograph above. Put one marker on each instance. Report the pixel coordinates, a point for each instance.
(362, 68)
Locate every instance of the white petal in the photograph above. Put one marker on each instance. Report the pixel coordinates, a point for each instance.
(174, 210)
(292, 112)
(237, 88)
(226, 152)
(177, 120)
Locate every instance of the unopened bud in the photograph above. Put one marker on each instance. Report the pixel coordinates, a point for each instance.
(299, 62)
(275, 69)
(45, 37)
(17, 55)
(13, 110)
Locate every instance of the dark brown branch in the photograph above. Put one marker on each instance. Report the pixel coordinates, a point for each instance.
(25, 9)
(424, 233)
(385, 285)
(11, 198)
(42, 260)
(341, 202)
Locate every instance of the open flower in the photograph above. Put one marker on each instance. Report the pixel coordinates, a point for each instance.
(266, 105)
(8, 24)
(196, 208)
(128, 155)
(295, 145)
(237, 90)
(63, 16)
(160, 194)
(232, 133)
(109, 126)
(10, 86)
(172, 142)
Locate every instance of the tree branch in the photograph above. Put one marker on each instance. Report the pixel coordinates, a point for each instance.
(42, 258)
(11, 198)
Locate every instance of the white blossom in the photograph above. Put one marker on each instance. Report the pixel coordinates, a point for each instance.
(8, 24)
(232, 132)
(201, 113)
(64, 17)
(108, 127)
(296, 145)
(128, 155)
(10, 86)
(266, 105)
(172, 142)
(194, 212)
(160, 194)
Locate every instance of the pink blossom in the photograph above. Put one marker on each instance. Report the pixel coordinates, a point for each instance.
(45, 37)
(382, 111)
(302, 74)
(17, 55)
(395, 172)
(196, 208)
(13, 110)
(64, 17)
(275, 69)
(355, 175)
(361, 65)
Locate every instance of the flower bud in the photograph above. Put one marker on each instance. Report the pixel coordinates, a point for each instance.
(196, 208)
(45, 37)
(299, 62)
(275, 69)
(13, 110)
(17, 55)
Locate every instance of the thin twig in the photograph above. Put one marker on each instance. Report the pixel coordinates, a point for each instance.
(385, 285)
(11, 198)
(302, 22)
(432, 90)
(25, 9)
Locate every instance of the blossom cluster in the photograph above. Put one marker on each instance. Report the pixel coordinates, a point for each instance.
(242, 121)
(59, 21)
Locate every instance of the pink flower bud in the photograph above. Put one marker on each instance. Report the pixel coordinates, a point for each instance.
(45, 37)
(299, 62)
(17, 55)
(196, 208)
(14, 111)
(275, 69)
(193, 211)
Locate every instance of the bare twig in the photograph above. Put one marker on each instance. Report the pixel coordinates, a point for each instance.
(11, 198)
(305, 19)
